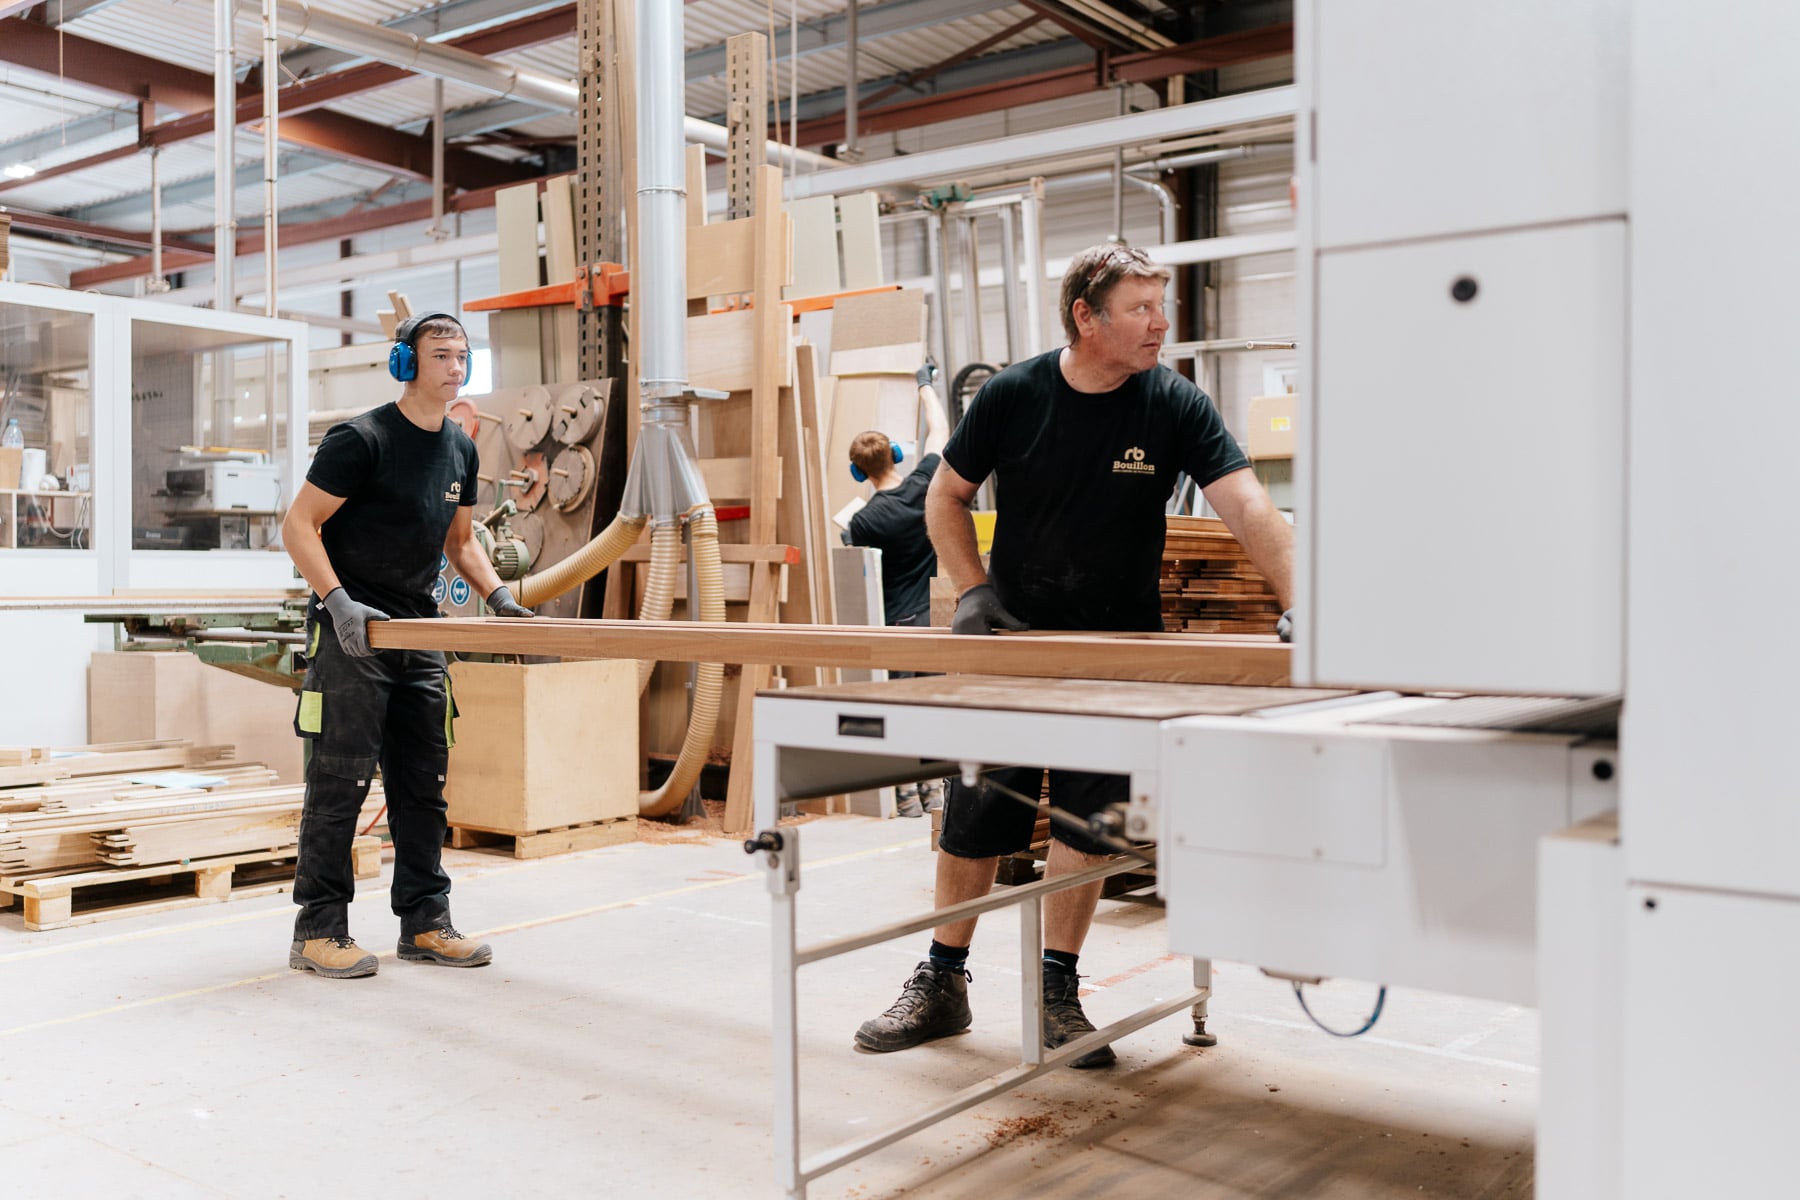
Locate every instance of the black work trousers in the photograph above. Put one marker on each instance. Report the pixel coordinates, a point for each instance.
(392, 708)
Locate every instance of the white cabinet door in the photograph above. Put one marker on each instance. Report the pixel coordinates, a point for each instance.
(1449, 116)
(1466, 529)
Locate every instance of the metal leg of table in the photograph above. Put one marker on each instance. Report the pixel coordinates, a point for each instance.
(1203, 982)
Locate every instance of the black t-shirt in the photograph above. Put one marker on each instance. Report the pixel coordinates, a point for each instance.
(401, 486)
(1082, 484)
(894, 523)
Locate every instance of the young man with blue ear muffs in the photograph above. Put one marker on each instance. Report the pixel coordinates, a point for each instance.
(387, 494)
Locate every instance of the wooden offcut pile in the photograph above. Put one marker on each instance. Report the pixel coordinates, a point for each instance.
(1209, 584)
(133, 805)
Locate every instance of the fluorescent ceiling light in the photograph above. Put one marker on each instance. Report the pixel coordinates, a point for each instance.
(19, 171)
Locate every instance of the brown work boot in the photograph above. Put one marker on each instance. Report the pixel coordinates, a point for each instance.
(332, 957)
(446, 946)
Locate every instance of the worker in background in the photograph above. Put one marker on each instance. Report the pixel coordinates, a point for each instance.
(893, 522)
(387, 492)
(1085, 443)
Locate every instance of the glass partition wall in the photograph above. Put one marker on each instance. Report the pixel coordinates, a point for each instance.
(209, 437)
(152, 440)
(46, 428)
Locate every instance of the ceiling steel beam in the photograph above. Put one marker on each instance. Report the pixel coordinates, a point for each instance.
(1157, 125)
(451, 17)
(57, 137)
(1095, 35)
(34, 222)
(912, 79)
(333, 229)
(873, 21)
(97, 65)
(125, 73)
(189, 191)
(1145, 67)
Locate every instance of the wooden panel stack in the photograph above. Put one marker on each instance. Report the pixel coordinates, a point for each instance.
(1209, 584)
(102, 815)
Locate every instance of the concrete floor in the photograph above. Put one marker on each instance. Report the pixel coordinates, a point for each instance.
(620, 1046)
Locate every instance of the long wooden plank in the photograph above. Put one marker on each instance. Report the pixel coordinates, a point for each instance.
(1175, 658)
(817, 550)
(772, 351)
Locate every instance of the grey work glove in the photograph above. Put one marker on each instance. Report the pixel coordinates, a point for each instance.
(502, 604)
(927, 374)
(1284, 628)
(351, 620)
(980, 611)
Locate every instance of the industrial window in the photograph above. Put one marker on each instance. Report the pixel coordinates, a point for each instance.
(46, 428)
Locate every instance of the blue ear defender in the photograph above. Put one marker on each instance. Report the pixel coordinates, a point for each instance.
(403, 358)
(856, 472)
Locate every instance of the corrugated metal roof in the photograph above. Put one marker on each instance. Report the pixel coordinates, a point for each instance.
(181, 32)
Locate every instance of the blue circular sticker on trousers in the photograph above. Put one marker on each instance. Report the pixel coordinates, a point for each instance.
(437, 590)
(459, 590)
(443, 562)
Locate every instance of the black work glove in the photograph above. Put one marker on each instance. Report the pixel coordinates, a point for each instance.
(351, 620)
(1284, 628)
(980, 611)
(926, 374)
(502, 604)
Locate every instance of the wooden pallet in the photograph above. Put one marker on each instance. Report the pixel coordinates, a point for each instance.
(545, 842)
(57, 901)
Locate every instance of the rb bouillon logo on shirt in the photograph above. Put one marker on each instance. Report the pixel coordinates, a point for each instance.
(454, 495)
(1133, 463)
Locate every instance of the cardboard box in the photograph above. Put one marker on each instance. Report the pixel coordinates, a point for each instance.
(543, 745)
(1272, 426)
(11, 460)
(141, 695)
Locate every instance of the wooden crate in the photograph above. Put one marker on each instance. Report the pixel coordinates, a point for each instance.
(543, 746)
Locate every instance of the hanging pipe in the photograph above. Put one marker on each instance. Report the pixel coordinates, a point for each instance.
(664, 485)
(709, 683)
(659, 592)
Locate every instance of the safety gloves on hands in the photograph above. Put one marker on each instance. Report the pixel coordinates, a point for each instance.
(1284, 628)
(501, 604)
(926, 374)
(980, 611)
(351, 620)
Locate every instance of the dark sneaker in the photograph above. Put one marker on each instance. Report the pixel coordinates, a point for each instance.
(932, 793)
(1064, 1021)
(332, 957)
(906, 804)
(445, 946)
(934, 1004)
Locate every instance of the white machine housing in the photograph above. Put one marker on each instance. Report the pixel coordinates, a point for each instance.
(1320, 844)
(1525, 466)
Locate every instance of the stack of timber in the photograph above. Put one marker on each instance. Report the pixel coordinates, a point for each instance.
(1209, 584)
(29, 766)
(112, 814)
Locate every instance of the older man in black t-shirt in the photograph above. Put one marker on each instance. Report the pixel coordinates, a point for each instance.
(387, 494)
(1085, 444)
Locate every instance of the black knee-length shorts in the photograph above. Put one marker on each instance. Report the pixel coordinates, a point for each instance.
(983, 822)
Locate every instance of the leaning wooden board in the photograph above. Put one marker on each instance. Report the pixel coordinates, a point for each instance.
(1175, 658)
